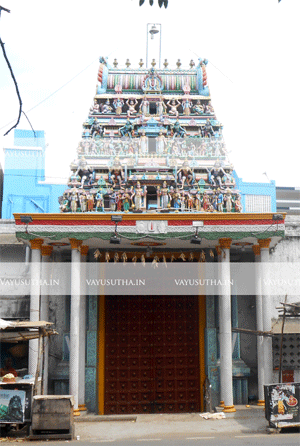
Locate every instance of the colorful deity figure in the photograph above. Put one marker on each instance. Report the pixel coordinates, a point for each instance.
(127, 199)
(185, 174)
(127, 129)
(228, 200)
(206, 202)
(160, 143)
(237, 204)
(220, 200)
(96, 130)
(112, 200)
(176, 198)
(116, 174)
(187, 105)
(214, 202)
(144, 108)
(83, 202)
(106, 108)
(100, 200)
(163, 193)
(216, 174)
(138, 195)
(118, 105)
(208, 130)
(85, 173)
(178, 130)
(160, 107)
(132, 103)
(90, 201)
(143, 143)
(64, 203)
(101, 182)
(190, 202)
(198, 200)
(119, 200)
(74, 200)
(198, 108)
(173, 104)
(95, 108)
(209, 110)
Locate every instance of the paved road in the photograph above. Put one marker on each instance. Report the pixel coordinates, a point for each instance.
(264, 439)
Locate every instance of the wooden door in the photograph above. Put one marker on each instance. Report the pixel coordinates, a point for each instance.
(151, 355)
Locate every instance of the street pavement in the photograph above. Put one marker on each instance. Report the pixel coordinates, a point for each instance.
(150, 427)
(245, 426)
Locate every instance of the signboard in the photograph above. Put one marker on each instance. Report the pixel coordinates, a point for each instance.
(282, 404)
(12, 406)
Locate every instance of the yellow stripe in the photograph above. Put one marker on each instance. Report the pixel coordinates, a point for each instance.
(188, 216)
(101, 355)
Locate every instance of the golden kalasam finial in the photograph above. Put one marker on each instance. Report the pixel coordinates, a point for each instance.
(115, 63)
(153, 63)
(141, 63)
(192, 63)
(166, 63)
(127, 63)
(178, 63)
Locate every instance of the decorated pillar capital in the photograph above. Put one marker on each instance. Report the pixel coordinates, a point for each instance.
(46, 250)
(256, 249)
(264, 243)
(75, 244)
(225, 243)
(84, 249)
(36, 243)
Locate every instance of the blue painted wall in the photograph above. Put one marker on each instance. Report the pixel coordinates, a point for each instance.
(247, 188)
(24, 173)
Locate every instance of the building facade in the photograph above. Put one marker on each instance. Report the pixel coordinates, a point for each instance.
(24, 186)
(153, 186)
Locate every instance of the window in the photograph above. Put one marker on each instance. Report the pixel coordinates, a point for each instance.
(258, 203)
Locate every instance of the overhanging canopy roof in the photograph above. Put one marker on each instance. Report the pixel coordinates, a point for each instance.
(16, 331)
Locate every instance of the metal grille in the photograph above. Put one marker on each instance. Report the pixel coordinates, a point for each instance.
(290, 351)
(258, 203)
(152, 355)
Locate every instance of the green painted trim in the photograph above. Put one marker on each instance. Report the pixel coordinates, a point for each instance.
(131, 236)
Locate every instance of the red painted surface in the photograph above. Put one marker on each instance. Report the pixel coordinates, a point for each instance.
(152, 355)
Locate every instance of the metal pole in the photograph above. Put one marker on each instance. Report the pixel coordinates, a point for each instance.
(147, 46)
(281, 343)
(160, 47)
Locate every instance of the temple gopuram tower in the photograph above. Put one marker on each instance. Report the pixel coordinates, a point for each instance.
(152, 141)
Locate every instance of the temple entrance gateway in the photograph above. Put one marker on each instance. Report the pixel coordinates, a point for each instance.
(152, 354)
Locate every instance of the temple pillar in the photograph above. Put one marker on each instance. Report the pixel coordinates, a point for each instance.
(34, 301)
(74, 322)
(259, 327)
(225, 326)
(84, 249)
(266, 310)
(46, 251)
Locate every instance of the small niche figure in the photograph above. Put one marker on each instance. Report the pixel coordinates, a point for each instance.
(186, 105)
(160, 143)
(90, 202)
(132, 103)
(185, 174)
(118, 105)
(173, 104)
(127, 199)
(163, 193)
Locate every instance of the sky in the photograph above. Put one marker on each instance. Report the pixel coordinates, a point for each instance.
(253, 69)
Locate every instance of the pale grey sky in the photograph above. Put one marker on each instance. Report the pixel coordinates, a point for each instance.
(253, 70)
